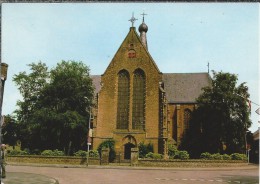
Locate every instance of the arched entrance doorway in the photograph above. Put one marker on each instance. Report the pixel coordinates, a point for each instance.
(127, 152)
(128, 142)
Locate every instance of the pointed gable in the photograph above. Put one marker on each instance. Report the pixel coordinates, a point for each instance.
(132, 51)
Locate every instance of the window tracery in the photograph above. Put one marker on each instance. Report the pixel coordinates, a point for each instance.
(123, 100)
(187, 118)
(139, 92)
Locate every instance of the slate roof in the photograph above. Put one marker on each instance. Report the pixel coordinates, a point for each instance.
(184, 87)
(179, 87)
(96, 79)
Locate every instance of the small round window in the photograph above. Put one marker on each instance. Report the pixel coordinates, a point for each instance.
(131, 53)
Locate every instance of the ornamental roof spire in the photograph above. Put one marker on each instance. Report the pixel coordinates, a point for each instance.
(133, 19)
(143, 14)
(143, 28)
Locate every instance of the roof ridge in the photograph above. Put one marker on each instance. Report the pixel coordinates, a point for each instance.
(188, 73)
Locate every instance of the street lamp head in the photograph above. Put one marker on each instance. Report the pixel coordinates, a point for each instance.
(4, 68)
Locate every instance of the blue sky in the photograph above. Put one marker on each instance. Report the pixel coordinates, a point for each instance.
(182, 38)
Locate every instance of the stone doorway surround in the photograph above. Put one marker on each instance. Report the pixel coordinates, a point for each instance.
(129, 142)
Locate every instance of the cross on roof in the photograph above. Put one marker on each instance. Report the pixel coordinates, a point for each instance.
(143, 14)
(133, 19)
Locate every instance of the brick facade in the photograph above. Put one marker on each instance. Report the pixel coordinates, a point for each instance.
(108, 95)
(163, 119)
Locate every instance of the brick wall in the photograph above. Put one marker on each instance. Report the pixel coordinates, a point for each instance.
(52, 160)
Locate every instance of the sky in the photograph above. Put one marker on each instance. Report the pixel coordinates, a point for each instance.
(182, 38)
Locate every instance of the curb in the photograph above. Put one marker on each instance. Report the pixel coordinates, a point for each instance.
(246, 167)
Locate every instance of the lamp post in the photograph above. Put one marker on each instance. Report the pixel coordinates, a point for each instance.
(246, 146)
(89, 142)
(3, 73)
(88, 138)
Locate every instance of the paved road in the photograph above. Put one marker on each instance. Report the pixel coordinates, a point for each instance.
(130, 175)
(28, 178)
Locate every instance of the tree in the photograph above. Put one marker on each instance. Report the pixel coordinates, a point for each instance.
(69, 94)
(30, 87)
(57, 115)
(220, 122)
(10, 131)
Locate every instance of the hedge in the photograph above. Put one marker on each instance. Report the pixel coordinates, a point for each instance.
(218, 156)
(52, 153)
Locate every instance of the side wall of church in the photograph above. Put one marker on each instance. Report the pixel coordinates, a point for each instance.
(176, 121)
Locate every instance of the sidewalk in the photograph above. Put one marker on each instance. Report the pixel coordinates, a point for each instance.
(27, 178)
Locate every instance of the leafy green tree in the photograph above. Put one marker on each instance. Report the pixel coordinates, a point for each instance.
(10, 130)
(30, 86)
(70, 88)
(68, 95)
(220, 122)
(53, 115)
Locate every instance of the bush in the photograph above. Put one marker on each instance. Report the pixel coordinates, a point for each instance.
(157, 156)
(226, 157)
(52, 153)
(93, 154)
(238, 156)
(57, 153)
(172, 151)
(217, 156)
(81, 153)
(144, 149)
(111, 145)
(149, 155)
(47, 153)
(206, 156)
(154, 155)
(18, 152)
(183, 155)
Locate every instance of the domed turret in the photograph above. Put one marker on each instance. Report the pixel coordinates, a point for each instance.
(143, 27)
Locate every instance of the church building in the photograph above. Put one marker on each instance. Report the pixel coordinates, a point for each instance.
(136, 102)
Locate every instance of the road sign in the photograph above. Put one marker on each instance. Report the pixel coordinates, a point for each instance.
(258, 111)
(89, 141)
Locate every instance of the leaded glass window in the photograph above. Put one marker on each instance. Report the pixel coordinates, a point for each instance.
(138, 115)
(187, 117)
(123, 100)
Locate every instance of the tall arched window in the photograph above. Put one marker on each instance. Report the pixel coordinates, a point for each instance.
(139, 91)
(123, 100)
(187, 117)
